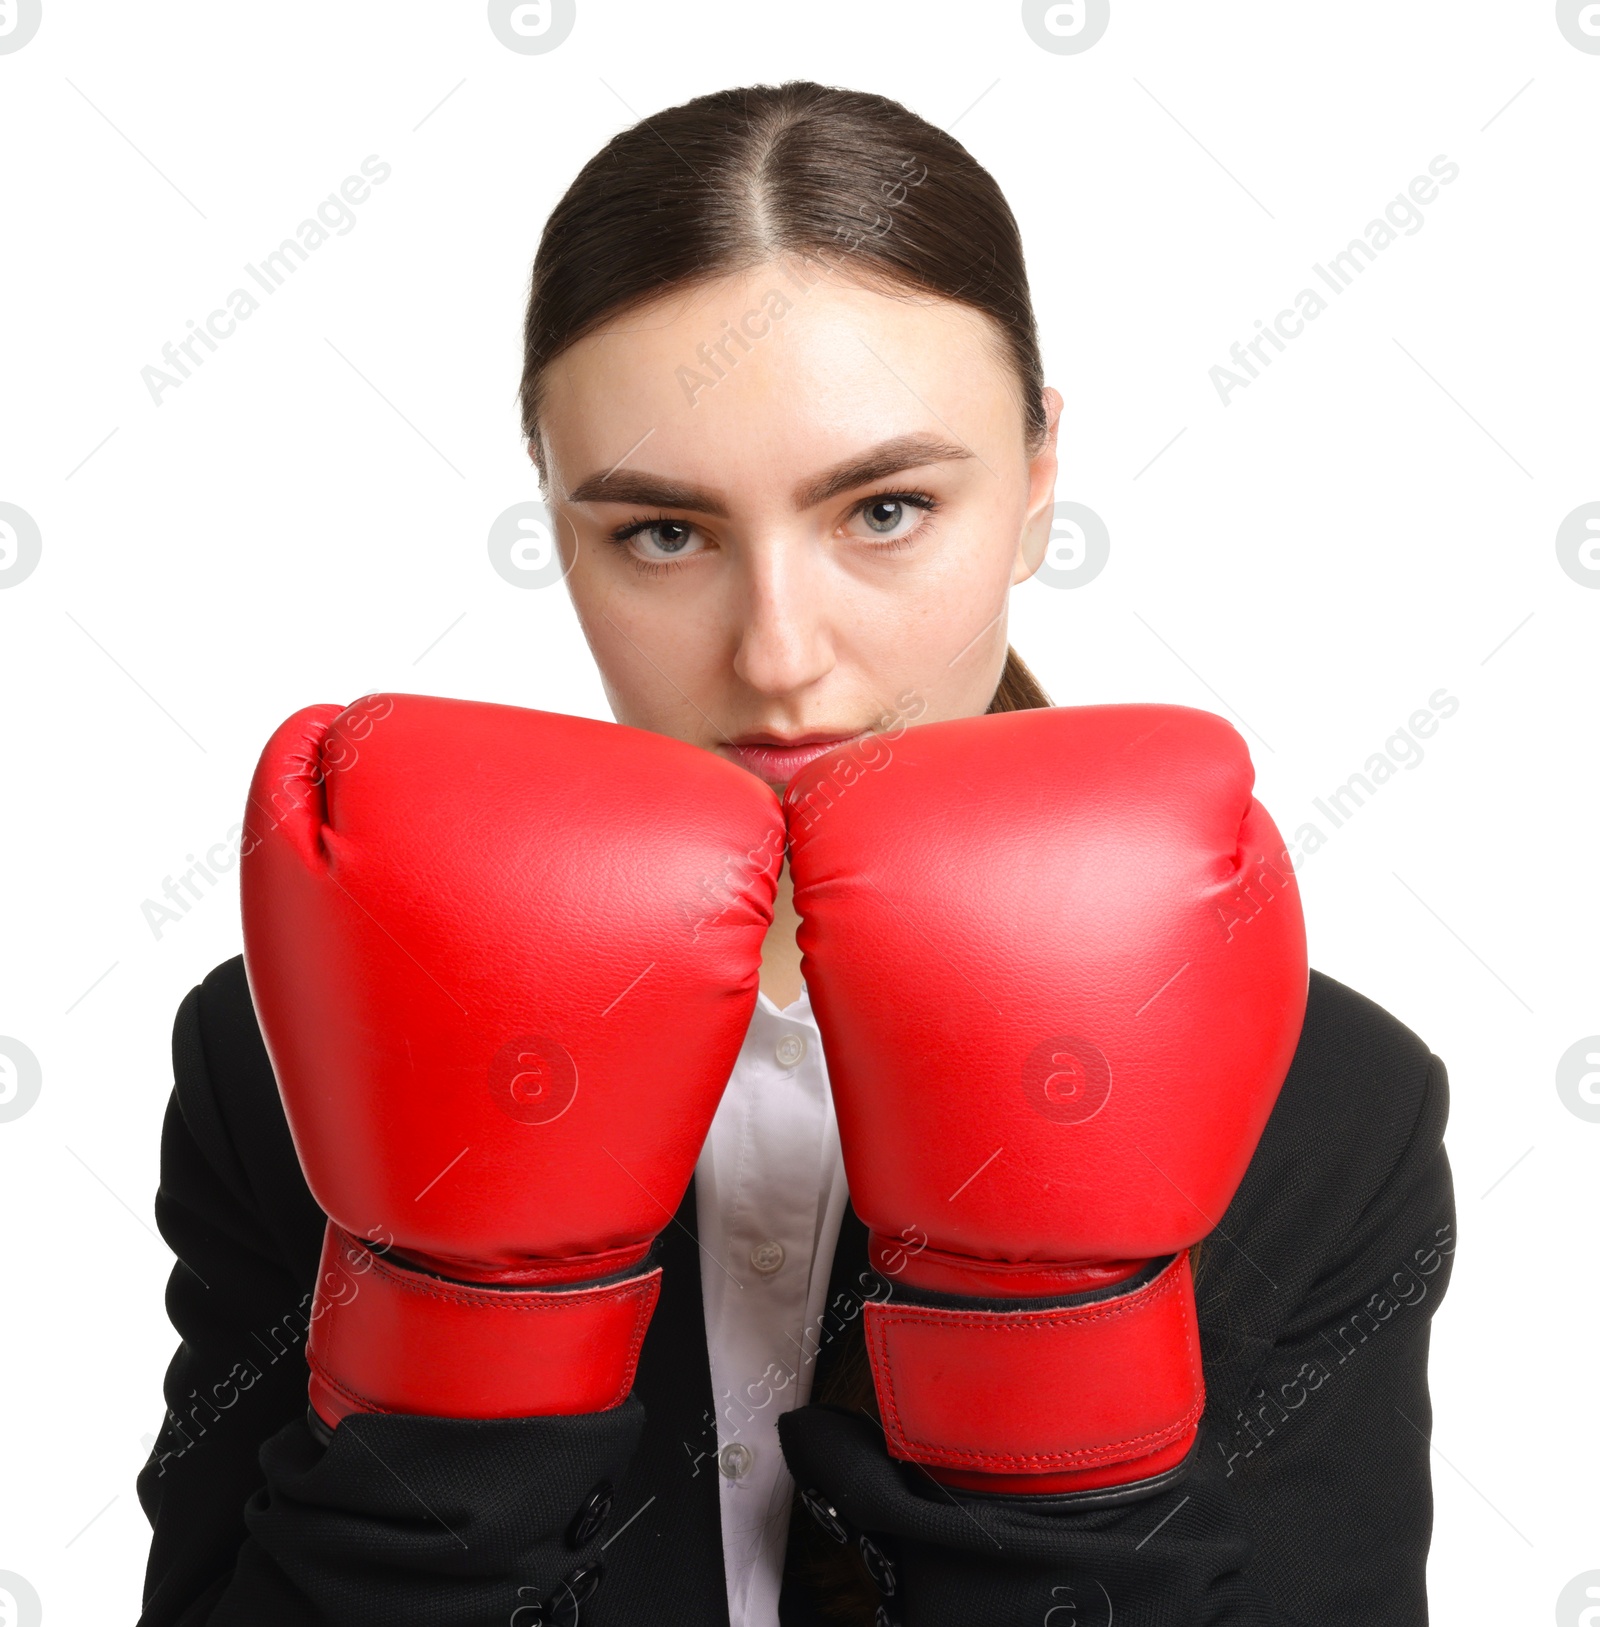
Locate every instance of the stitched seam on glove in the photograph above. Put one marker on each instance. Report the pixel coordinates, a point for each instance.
(362, 1403)
(882, 1320)
(1085, 1457)
(516, 1299)
(1022, 1320)
(643, 1291)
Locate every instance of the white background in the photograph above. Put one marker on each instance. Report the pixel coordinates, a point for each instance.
(305, 519)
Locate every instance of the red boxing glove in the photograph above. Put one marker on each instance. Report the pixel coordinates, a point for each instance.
(503, 962)
(1059, 965)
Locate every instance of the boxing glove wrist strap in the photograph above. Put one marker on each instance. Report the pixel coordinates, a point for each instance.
(386, 1337)
(1078, 1394)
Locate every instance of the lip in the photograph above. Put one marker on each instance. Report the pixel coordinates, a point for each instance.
(777, 761)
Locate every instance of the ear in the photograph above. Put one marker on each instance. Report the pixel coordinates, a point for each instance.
(1034, 539)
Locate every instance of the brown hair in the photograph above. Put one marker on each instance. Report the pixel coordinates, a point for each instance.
(730, 181)
(733, 180)
(1018, 689)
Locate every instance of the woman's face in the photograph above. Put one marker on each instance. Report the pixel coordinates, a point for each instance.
(792, 514)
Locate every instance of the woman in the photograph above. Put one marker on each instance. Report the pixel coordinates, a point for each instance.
(783, 392)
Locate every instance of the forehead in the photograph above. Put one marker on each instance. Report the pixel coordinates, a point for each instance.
(770, 373)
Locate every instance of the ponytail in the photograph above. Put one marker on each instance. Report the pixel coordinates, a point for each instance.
(1018, 689)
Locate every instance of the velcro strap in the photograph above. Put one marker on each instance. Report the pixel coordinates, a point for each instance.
(1020, 1391)
(385, 1338)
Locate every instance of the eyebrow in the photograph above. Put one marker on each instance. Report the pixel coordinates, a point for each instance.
(658, 491)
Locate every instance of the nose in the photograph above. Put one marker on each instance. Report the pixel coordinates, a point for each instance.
(786, 643)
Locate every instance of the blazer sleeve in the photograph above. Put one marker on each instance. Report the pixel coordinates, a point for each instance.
(1310, 1495)
(253, 1521)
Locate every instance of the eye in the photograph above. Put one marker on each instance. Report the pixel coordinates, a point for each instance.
(895, 519)
(657, 543)
(668, 538)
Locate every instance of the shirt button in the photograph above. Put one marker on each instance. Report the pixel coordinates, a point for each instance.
(879, 1566)
(825, 1514)
(592, 1515)
(790, 1049)
(767, 1257)
(734, 1460)
(566, 1604)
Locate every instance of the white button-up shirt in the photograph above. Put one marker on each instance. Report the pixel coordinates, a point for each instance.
(769, 1196)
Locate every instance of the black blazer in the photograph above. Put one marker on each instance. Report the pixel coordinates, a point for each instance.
(1309, 1499)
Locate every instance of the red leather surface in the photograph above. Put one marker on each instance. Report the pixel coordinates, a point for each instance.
(503, 962)
(1059, 965)
(387, 1339)
(1014, 880)
(1024, 1392)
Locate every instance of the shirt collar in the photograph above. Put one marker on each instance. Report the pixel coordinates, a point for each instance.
(799, 1012)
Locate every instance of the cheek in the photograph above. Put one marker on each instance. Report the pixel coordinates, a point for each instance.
(947, 590)
(937, 628)
(652, 652)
